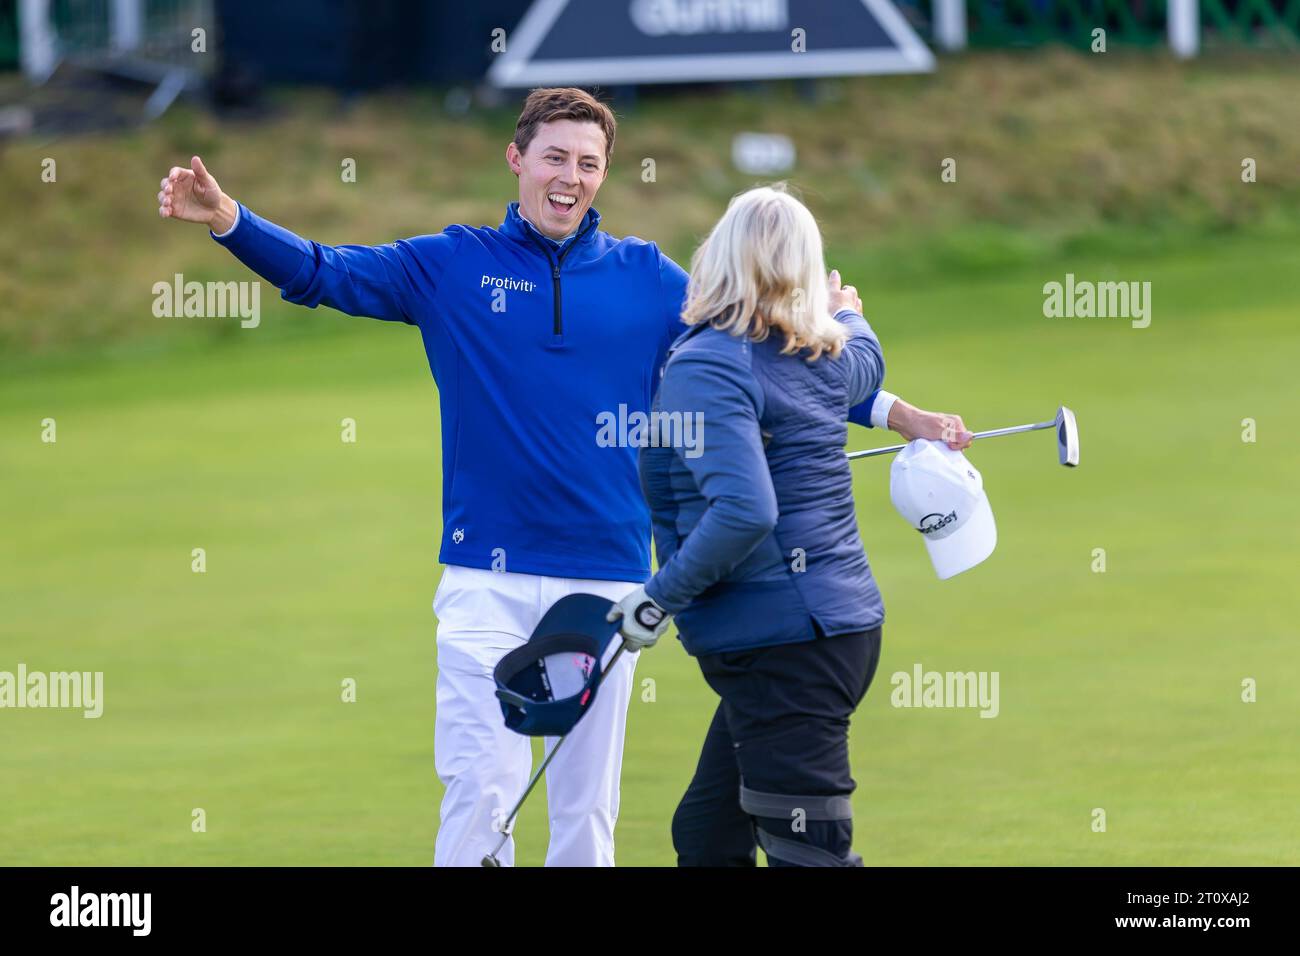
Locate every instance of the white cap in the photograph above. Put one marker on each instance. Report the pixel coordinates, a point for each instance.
(940, 494)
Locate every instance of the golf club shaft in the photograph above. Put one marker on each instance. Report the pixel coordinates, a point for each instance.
(505, 829)
(994, 433)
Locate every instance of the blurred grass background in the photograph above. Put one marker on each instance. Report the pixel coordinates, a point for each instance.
(1119, 690)
(1057, 153)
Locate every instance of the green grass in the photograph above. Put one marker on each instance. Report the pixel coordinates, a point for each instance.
(1118, 690)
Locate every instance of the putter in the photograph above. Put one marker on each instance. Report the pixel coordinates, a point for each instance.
(491, 858)
(1067, 438)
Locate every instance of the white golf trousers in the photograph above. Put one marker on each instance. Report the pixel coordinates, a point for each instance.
(481, 616)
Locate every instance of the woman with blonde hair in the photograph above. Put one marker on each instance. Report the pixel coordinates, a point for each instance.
(759, 555)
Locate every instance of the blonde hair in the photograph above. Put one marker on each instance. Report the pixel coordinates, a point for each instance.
(761, 270)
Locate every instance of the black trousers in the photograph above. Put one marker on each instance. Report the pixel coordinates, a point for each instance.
(781, 728)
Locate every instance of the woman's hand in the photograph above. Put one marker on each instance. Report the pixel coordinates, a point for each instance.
(912, 423)
(843, 297)
(643, 619)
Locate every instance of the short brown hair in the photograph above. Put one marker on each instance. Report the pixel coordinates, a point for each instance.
(563, 103)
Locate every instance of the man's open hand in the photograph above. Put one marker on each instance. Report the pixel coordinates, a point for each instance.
(192, 195)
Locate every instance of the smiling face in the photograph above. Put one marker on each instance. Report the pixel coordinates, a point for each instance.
(559, 174)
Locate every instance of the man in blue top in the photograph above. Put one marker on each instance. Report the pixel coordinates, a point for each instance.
(536, 332)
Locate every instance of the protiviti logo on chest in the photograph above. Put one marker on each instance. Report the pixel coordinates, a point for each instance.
(513, 285)
(131, 910)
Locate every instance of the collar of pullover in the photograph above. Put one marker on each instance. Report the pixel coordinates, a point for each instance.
(517, 227)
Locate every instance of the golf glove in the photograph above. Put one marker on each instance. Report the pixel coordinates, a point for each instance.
(643, 619)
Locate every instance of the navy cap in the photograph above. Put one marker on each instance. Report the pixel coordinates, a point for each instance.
(548, 684)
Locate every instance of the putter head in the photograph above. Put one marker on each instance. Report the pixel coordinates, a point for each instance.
(490, 861)
(1067, 437)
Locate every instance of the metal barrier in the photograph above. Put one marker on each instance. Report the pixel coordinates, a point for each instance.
(160, 42)
(1256, 24)
(154, 39)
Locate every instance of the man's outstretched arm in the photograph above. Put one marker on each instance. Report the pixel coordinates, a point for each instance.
(375, 281)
